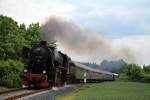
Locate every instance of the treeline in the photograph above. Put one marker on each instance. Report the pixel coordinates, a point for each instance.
(13, 37)
(137, 73)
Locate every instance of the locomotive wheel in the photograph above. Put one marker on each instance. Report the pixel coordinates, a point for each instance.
(69, 79)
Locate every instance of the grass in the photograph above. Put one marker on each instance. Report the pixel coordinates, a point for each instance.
(3, 89)
(123, 77)
(109, 91)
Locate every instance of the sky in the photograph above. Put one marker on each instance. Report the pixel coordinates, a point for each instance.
(125, 21)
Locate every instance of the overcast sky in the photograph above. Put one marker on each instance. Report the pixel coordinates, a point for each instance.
(111, 17)
(122, 20)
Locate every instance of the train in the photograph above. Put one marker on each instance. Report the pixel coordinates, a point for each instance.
(45, 66)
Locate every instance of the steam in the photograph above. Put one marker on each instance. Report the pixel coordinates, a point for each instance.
(83, 44)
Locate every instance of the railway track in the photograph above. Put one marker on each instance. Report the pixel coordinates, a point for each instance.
(19, 93)
(10, 90)
(33, 94)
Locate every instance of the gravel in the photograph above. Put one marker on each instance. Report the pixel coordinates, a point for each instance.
(50, 94)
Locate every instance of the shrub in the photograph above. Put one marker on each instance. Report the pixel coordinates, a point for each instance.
(145, 78)
(134, 72)
(146, 69)
(10, 73)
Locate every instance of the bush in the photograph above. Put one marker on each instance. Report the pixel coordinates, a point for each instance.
(123, 77)
(134, 72)
(10, 71)
(145, 78)
(146, 69)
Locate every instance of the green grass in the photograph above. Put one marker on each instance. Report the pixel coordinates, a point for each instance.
(109, 91)
(123, 77)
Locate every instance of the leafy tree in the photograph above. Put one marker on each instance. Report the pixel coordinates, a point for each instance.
(11, 39)
(146, 69)
(134, 71)
(33, 33)
(10, 73)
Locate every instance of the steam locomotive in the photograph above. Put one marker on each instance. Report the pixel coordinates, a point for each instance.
(48, 67)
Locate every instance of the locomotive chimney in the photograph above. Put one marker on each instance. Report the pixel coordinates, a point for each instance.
(44, 43)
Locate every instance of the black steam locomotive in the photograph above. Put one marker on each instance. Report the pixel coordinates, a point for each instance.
(46, 66)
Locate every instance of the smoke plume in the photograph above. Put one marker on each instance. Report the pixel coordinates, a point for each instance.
(83, 44)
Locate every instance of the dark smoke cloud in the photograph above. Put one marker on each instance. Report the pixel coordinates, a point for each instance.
(80, 41)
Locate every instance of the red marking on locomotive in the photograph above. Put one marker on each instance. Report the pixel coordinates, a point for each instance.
(40, 79)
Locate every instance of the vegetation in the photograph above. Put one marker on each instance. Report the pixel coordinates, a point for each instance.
(134, 72)
(10, 71)
(2, 89)
(109, 91)
(12, 38)
(146, 69)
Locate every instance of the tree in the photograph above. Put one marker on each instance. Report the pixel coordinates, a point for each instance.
(10, 38)
(33, 33)
(146, 69)
(10, 71)
(134, 71)
(13, 37)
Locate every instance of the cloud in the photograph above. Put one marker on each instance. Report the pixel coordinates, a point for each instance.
(28, 11)
(114, 18)
(139, 47)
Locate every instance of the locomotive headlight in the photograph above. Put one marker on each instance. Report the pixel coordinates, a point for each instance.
(25, 70)
(44, 71)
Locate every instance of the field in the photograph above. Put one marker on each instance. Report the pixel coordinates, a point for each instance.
(109, 91)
